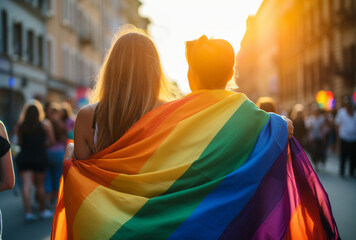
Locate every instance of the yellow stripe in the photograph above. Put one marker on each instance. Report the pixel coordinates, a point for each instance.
(193, 135)
(103, 212)
(165, 166)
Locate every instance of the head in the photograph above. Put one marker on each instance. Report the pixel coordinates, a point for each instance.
(31, 117)
(53, 110)
(297, 112)
(129, 84)
(267, 104)
(32, 111)
(66, 111)
(211, 63)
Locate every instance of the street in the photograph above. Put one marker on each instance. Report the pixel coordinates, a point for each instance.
(342, 195)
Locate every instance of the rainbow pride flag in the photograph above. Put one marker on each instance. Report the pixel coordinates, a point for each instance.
(208, 166)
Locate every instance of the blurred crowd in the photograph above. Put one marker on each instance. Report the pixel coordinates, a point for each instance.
(39, 141)
(322, 132)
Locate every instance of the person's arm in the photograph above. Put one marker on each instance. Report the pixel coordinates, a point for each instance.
(290, 126)
(47, 125)
(83, 133)
(69, 151)
(7, 180)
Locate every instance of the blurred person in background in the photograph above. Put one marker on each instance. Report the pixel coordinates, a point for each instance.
(34, 136)
(7, 176)
(332, 133)
(267, 104)
(300, 131)
(346, 124)
(68, 119)
(56, 151)
(317, 131)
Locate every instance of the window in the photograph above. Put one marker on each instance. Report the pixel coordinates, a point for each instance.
(17, 39)
(65, 12)
(64, 61)
(51, 7)
(3, 48)
(40, 51)
(51, 55)
(30, 46)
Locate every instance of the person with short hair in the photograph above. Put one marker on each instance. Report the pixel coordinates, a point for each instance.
(346, 124)
(267, 104)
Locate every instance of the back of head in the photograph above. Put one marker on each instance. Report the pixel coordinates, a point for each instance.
(297, 112)
(128, 84)
(211, 60)
(66, 111)
(31, 117)
(267, 104)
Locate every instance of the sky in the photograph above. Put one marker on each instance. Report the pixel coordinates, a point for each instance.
(175, 21)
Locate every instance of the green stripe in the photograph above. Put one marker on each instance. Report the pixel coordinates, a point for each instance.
(229, 149)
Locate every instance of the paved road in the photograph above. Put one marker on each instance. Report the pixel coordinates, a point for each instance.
(342, 194)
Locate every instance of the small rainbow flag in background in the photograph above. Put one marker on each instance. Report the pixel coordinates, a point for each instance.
(325, 100)
(208, 166)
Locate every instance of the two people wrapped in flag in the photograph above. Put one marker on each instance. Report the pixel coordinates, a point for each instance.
(211, 165)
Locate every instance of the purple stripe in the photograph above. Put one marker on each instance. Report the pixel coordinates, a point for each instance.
(308, 182)
(279, 219)
(261, 204)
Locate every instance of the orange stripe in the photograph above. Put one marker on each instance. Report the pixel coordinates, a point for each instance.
(72, 202)
(142, 150)
(305, 223)
(157, 116)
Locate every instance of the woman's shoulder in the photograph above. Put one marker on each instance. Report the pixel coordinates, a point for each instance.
(86, 111)
(2, 130)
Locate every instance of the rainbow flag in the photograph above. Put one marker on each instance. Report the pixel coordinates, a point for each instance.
(208, 166)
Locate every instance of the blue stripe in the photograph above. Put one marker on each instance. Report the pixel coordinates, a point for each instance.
(221, 206)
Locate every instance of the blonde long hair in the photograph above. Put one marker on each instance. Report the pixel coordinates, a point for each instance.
(129, 84)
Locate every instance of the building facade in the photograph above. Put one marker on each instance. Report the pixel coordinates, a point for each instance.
(22, 68)
(49, 49)
(314, 50)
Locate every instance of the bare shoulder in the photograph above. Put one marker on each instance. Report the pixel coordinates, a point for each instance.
(3, 130)
(84, 119)
(86, 113)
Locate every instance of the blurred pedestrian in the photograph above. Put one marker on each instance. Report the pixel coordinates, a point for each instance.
(317, 131)
(267, 104)
(68, 119)
(346, 124)
(34, 136)
(332, 133)
(7, 176)
(56, 151)
(300, 131)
